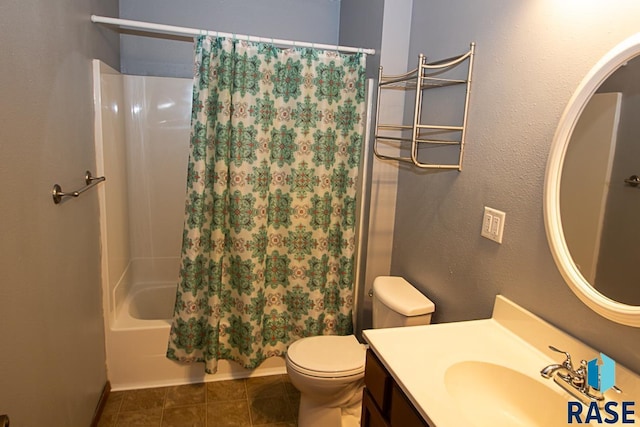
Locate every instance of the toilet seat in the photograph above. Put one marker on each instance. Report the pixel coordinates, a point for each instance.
(327, 356)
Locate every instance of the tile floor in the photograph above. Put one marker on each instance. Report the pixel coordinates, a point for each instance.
(263, 401)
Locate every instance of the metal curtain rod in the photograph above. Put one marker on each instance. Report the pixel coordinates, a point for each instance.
(184, 31)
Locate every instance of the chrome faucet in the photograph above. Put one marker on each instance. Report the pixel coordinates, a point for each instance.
(566, 366)
(573, 380)
(566, 370)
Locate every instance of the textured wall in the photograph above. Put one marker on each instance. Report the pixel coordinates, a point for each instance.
(384, 26)
(361, 26)
(304, 20)
(52, 366)
(361, 23)
(531, 56)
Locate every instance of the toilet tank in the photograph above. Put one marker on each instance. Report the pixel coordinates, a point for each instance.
(397, 303)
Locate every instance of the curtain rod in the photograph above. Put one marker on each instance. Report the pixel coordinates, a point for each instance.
(170, 29)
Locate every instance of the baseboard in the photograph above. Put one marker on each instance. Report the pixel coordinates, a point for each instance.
(101, 404)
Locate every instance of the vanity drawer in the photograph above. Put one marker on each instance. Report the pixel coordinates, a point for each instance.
(402, 411)
(384, 404)
(371, 416)
(378, 382)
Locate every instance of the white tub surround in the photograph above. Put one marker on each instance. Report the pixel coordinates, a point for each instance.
(142, 141)
(512, 339)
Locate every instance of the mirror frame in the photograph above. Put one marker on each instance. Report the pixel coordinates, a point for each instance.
(606, 307)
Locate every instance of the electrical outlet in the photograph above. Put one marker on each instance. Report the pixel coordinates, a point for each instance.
(493, 224)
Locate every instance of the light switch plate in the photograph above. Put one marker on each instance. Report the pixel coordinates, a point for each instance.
(493, 224)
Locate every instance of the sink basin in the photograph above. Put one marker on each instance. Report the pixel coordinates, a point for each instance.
(494, 395)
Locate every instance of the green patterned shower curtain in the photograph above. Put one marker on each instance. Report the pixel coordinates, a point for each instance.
(269, 233)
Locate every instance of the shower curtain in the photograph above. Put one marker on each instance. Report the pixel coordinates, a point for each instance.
(269, 232)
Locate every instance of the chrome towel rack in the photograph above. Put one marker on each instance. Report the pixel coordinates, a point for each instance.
(89, 180)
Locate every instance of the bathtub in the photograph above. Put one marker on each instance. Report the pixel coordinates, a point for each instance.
(148, 305)
(138, 335)
(152, 301)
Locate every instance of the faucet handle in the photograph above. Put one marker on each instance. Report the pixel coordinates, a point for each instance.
(567, 362)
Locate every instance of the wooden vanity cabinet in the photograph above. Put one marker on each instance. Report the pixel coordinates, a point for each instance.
(384, 404)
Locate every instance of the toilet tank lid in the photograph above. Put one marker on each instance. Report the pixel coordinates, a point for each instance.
(400, 296)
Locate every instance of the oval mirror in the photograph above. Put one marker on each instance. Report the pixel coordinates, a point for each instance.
(591, 213)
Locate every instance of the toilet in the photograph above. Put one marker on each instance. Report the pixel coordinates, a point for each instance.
(328, 370)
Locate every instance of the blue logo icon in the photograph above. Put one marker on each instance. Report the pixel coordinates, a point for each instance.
(601, 376)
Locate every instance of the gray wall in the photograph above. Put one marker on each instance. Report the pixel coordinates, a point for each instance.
(52, 365)
(361, 26)
(531, 56)
(361, 23)
(303, 20)
(618, 275)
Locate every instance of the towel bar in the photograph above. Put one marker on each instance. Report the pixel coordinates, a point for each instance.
(91, 181)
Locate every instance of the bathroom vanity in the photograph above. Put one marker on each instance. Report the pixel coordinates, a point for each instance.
(383, 402)
(481, 373)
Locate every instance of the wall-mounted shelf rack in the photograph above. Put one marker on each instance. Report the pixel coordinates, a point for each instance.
(427, 76)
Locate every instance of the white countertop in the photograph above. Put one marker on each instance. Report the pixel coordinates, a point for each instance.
(419, 356)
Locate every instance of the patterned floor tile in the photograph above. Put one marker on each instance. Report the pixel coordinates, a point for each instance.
(150, 398)
(263, 387)
(143, 418)
(230, 413)
(185, 416)
(275, 409)
(226, 390)
(270, 401)
(191, 394)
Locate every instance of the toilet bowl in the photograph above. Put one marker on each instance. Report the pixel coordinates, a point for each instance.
(329, 373)
(328, 370)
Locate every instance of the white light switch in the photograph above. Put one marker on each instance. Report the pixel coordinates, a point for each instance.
(486, 225)
(493, 224)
